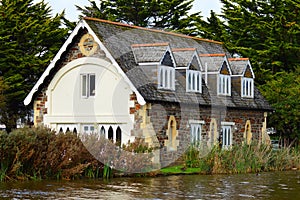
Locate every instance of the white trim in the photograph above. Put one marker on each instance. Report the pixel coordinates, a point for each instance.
(171, 54)
(28, 98)
(181, 67)
(227, 123)
(166, 77)
(193, 81)
(195, 54)
(247, 92)
(140, 98)
(228, 66)
(149, 63)
(224, 89)
(253, 75)
(192, 121)
(82, 24)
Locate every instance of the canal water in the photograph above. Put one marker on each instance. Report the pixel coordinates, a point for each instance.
(271, 185)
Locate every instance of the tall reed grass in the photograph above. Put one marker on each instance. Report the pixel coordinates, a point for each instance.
(243, 159)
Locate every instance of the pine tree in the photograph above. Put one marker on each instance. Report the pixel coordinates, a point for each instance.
(266, 31)
(213, 29)
(29, 39)
(161, 14)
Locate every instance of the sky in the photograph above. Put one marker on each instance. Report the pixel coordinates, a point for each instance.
(72, 14)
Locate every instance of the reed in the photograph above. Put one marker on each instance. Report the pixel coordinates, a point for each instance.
(252, 158)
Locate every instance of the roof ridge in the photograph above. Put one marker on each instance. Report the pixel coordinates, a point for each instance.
(149, 29)
(238, 59)
(183, 49)
(151, 44)
(212, 55)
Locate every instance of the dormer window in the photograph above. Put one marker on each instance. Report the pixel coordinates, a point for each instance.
(166, 77)
(224, 85)
(193, 81)
(247, 87)
(224, 80)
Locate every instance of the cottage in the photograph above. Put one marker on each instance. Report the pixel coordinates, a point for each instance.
(171, 90)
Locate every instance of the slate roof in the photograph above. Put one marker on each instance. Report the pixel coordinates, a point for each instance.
(145, 53)
(214, 61)
(238, 65)
(129, 45)
(183, 56)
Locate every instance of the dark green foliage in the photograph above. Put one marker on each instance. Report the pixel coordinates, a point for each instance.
(265, 31)
(29, 39)
(173, 15)
(268, 33)
(283, 92)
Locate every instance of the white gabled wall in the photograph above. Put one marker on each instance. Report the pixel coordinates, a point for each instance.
(110, 105)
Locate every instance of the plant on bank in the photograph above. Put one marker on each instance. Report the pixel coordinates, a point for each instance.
(242, 159)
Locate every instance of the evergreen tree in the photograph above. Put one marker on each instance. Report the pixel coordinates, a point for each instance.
(162, 14)
(29, 38)
(213, 29)
(283, 92)
(266, 31)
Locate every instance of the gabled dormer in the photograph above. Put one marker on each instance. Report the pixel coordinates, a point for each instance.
(187, 61)
(217, 73)
(224, 79)
(243, 72)
(157, 56)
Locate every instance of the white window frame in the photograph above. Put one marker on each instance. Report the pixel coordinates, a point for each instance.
(224, 85)
(226, 136)
(86, 83)
(196, 131)
(193, 81)
(247, 87)
(88, 128)
(166, 77)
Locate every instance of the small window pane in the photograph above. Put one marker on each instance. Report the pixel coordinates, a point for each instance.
(92, 85)
(84, 85)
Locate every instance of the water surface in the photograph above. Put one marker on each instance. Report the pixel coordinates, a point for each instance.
(271, 185)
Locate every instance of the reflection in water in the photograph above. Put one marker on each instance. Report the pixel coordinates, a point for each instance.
(279, 185)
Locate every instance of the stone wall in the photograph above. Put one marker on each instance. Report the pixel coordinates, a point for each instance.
(160, 112)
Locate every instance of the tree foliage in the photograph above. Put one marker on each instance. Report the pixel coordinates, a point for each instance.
(283, 92)
(268, 32)
(162, 14)
(29, 38)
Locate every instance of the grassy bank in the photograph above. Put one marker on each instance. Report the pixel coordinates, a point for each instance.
(37, 153)
(239, 159)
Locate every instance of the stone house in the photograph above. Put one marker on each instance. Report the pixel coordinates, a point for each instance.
(169, 89)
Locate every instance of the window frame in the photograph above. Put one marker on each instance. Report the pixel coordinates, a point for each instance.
(227, 137)
(247, 87)
(193, 81)
(87, 80)
(196, 133)
(166, 77)
(224, 85)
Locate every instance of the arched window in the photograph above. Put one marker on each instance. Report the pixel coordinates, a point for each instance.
(102, 131)
(247, 133)
(171, 142)
(75, 130)
(110, 133)
(118, 136)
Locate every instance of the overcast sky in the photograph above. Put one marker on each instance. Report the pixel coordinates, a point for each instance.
(72, 14)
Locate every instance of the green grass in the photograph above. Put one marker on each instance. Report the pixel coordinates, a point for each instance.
(180, 169)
